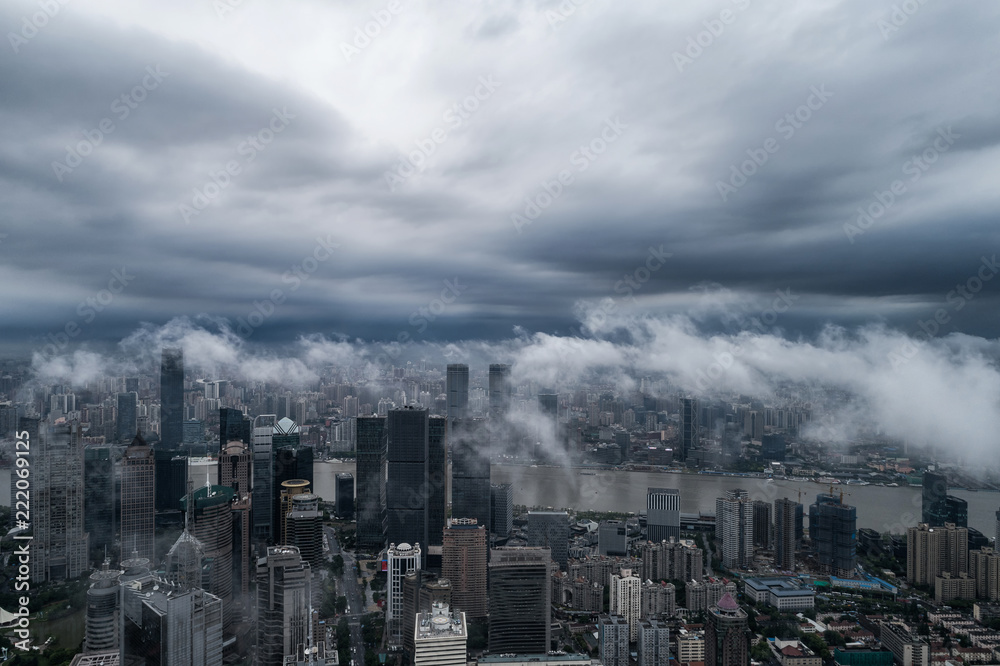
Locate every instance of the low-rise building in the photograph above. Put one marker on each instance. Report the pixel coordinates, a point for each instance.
(793, 653)
(906, 649)
(785, 594)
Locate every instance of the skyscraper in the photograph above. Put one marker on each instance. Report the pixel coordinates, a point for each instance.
(372, 444)
(550, 530)
(59, 548)
(470, 471)
(138, 510)
(125, 419)
(172, 398)
(663, 514)
(625, 602)
(463, 562)
(499, 386)
(262, 436)
(726, 639)
(520, 600)
(99, 500)
(785, 515)
(171, 469)
(234, 426)
(502, 509)
(833, 529)
(457, 385)
(734, 524)
(284, 589)
(103, 620)
(211, 523)
(291, 461)
(935, 499)
(305, 528)
(401, 560)
(933, 551)
(344, 491)
(688, 426)
(762, 524)
(440, 637)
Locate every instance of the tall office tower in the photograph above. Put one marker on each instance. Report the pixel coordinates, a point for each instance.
(138, 512)
(613, 640)
(286, 433)
(612, 538)
(284, 590)
(211, 523)
(290, 463)
(935, 499)
(785, 515)
(762, 524)
(957, 510)
(234, 469)
(772, 447)
(172, 398)
(500, 389)
(625, 601)
(163, 624)
(996, 539)
(470, 471)
(463, 562)
(99, 500)
(688, 426)
(415, 490)
(440, 638)
(372, 445)
(401, 560)
(550, 530)
(734, 520)
(171, 469)
(833, 529)
(520, 600)
(663, 514)
(502, 509)
(126, 417)
(421, 590)
(654, 643)
(305, 528)
(344, 491)
(726, 640)
(263, 477)
(984, 568)
(437, 482)
(59, 547)
(289, 489)
(457, 386)
(103, 612)
(234, 427)
(933, 551)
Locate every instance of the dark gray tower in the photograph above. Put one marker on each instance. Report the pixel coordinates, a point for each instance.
(499, 389)
(172, 398)
(689, 426)
(458, 391)
(407, 493)
(470, 471)
(372, 443)
(125, 419)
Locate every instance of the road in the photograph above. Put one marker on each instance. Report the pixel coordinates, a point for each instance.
(355, 598)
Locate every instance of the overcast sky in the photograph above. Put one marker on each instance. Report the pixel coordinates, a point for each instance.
(559, 147)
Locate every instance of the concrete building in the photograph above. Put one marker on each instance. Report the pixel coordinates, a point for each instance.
(625, 599)
(577, 593)
(520, 600)
(786, 512)
(304, 527)
(613, 640)
(726, 637)
(793, 653)
(653, 644)
(984, 567)
(906, 649)
(103, 623)
(440, 638)
(672, 560)
(463, 562)
(833, 529)
(734, 526)
(933, 551)
(138, 512)
(663, 514)
(785, 594)
(658, 600)
(550, 530)
(421, 590)
(612, 538)
(690, 647)
(401, 560)
(284, 590)
(702, 596)
(948, 588)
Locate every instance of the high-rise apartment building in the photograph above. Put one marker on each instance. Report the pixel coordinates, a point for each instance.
(734, 526)
(284, 590)
(372, 445)
(520, 600)
(654, 643)
(172, 398)
(625, 600)
(613, 640)
(59, 548)
(984, 567)
(785, 516)
(726, 637)
(663, 514)
(934, 551)
(138, 509)
(463, 562)
(550, 530)
(833, 530)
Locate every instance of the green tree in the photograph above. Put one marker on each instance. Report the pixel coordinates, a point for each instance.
(341, 604)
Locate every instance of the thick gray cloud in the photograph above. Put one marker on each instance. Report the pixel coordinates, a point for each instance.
(691, 92)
